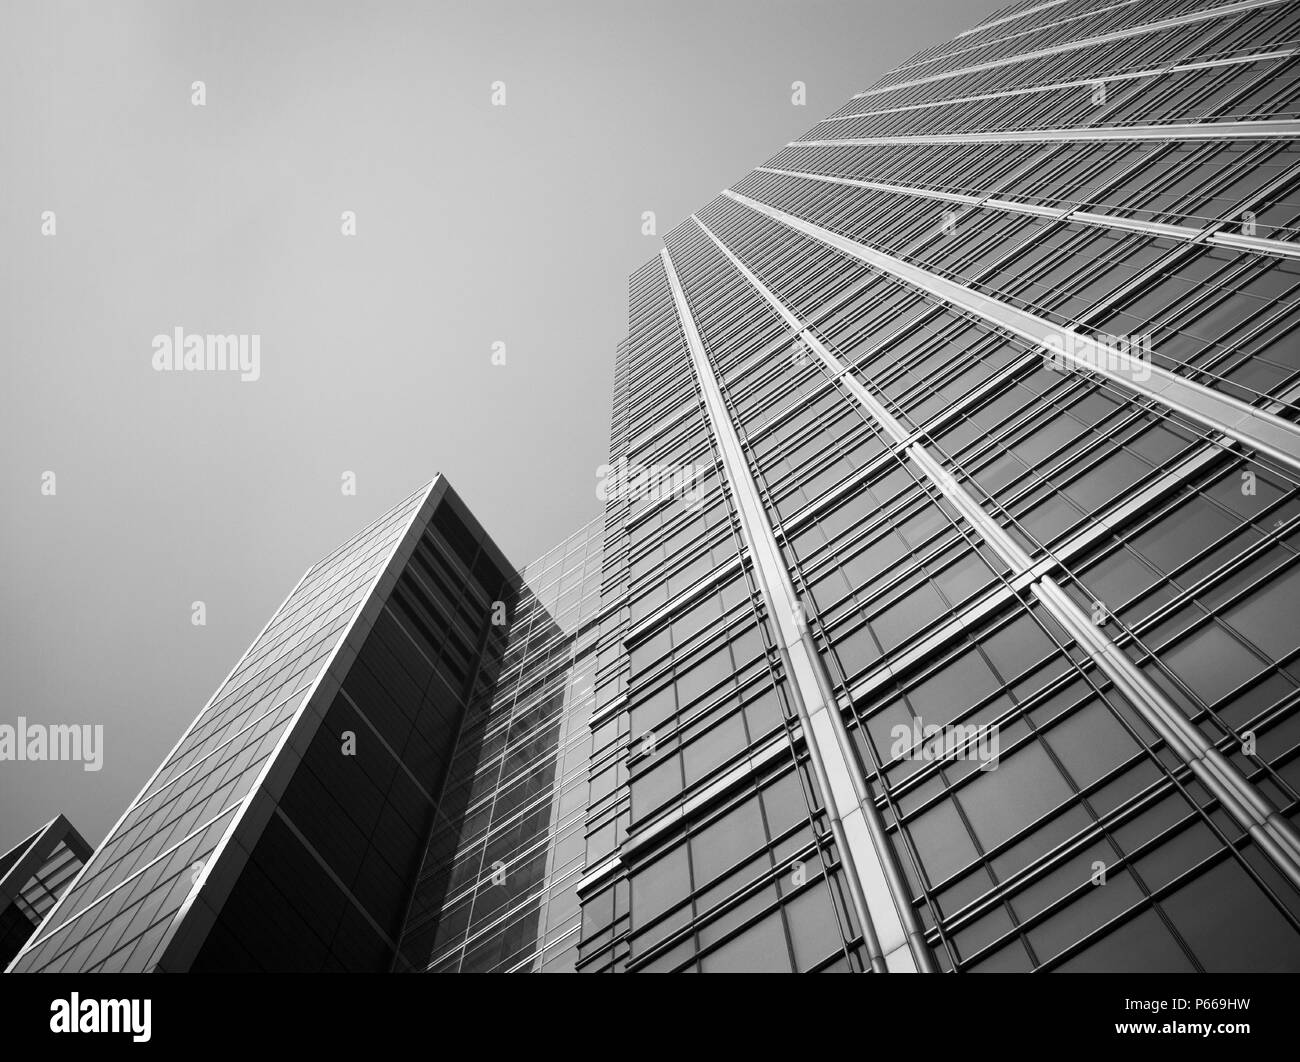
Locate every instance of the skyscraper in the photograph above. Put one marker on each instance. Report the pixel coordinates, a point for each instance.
(981, 652)
(943, 615)
(285, 828)
(394, 777)
(498, 887)
(33, 875)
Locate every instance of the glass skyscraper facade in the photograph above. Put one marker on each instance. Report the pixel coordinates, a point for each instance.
(33, 875)
(944, 614)
(497, 891)
(393, 778)
(285, 828)
(993, 372)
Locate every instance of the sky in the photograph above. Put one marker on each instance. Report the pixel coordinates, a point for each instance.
(129, 211)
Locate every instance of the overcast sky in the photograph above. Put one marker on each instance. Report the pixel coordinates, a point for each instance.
(474, 224)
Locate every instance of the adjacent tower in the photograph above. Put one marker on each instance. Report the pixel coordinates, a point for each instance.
(284, 830)
(33, 876)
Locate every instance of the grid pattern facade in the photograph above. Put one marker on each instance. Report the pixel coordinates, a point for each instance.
(33, 876)
(393, 778)
(122, 905)
(691, 694)
(47, 883)
(987, 389)
(497, 890)
(1095, 558)
(327, 884)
